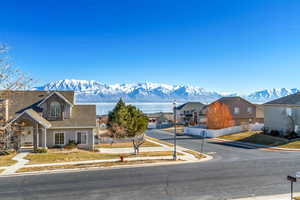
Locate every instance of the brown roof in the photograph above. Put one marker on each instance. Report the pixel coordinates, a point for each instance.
(82, 115)
(293, 99)
(35, 116)
(20, 101)
(189, 103)
(231, 99)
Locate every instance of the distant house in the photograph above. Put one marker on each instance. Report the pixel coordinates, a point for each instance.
(160, 120)
(283, 114)
(230, 111)
(260, 114)
(191, 113)
(50, 118)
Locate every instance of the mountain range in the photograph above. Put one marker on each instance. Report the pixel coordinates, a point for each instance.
(94, 91)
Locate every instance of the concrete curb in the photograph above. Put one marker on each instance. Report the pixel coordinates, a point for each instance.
(271, 197)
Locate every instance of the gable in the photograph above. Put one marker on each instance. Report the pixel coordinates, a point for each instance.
(18, 101)
(55, 96)
(235, 101)
(293, 99)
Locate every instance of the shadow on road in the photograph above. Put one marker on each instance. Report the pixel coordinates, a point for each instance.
(232, 145)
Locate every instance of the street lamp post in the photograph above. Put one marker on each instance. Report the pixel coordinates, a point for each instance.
(292, 180)
(174, 154)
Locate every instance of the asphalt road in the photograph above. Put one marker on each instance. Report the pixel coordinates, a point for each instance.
(234, 172)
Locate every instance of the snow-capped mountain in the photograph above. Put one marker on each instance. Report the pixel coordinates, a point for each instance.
(268, 95)
(94, 91)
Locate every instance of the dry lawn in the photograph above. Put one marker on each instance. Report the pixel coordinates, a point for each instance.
(294, 144)
(7, 160)
(79, 166)
(126, 145)
(81, 155)
(160, 141)
(196, 154)
(179, 129)
(256, 138)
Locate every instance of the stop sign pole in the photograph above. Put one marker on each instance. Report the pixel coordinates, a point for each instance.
(292, 180)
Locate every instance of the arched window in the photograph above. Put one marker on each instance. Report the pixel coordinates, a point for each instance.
(55, 109)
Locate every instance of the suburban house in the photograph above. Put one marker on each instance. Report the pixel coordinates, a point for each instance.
(230, 111)
(50, 119)
(283, 114)
(260, 114)
(160, 120)
(192, 113)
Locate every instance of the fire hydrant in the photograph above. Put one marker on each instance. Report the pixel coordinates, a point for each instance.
(121, 158)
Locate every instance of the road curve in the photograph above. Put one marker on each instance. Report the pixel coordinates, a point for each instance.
(234, 172)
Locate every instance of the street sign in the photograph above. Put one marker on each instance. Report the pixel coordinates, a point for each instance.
(292, 179)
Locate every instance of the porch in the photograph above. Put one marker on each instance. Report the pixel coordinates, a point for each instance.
(33, 129)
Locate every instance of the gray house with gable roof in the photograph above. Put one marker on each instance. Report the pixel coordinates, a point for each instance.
(283, 114)
(50, 118)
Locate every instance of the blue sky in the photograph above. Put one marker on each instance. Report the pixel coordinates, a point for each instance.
(228, 45)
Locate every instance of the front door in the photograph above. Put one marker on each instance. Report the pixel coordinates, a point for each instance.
(27, 136)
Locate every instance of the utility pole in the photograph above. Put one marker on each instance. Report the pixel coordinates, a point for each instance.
(203, 137)
(174, 154)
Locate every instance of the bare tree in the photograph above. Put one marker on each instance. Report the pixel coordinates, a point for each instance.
(137, 142)
(11, 79)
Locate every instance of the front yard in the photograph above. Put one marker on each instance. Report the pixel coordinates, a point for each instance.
(7, 160)
(117, 154)
(257, 137)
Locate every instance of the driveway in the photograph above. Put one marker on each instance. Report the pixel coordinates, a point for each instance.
(235, 172)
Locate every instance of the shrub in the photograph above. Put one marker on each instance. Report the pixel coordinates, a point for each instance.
(291, 135)
(274, 133)
(41, 150)
(57, 146)
(71, 145)
(265, 131)
(4, 153)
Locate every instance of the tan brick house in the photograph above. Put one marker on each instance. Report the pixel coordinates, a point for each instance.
(240, 111)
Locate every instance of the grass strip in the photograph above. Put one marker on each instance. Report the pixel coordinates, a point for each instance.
(196, 154)
(126, 145)
(42, 158)
(80, 166)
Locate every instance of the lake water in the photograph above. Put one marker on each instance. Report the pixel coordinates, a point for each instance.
(104, 108)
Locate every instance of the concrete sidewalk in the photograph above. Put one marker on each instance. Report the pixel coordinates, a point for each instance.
(271, 197)
(21, 162)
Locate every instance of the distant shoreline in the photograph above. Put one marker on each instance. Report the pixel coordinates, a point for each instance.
(140, 103)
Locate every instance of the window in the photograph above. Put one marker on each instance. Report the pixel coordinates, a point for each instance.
(55, 109)
(82, 137)
(236, 110)
(59, 138)
(289, 111)
(249, 110)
